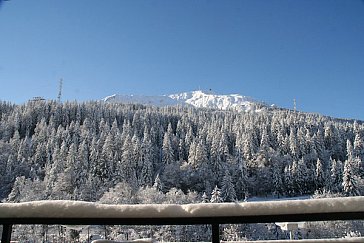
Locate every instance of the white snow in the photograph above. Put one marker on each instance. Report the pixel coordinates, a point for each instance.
(263, 199)
(158, 101)
(199, 99)
(77, 209)
(202, 99)
(343, 240)
(148, 240)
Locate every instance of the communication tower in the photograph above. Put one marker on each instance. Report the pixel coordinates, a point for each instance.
(60, 90)
(294, 104)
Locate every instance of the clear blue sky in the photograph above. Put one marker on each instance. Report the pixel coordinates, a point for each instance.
(271, 50)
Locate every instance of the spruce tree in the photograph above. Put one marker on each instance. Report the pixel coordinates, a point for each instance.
(349, 180)
(215, 195)
(277, 180)
(158, 184)
(319, 175)
(205, 198)
(228, 193)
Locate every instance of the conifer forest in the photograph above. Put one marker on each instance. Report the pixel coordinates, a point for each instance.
(135, 154)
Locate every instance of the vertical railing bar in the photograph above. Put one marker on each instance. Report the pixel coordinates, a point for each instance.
(6, 235)
(215, 233)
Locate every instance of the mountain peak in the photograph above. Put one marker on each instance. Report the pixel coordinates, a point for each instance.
(208, 99)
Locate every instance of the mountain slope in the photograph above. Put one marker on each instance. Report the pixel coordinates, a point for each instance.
(160, 101)
(199, 99)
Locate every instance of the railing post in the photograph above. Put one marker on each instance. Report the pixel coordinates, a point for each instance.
(215, 233)
(6, 236)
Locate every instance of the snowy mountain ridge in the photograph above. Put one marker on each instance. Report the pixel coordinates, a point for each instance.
(160, 100)
(198, 98)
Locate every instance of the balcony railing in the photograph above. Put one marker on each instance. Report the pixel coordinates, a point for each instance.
(215, 214)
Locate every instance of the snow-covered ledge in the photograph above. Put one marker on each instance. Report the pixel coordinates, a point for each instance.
(77, 209)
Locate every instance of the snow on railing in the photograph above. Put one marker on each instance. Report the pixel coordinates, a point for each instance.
(87, 213)
(78, 209)
(343, 240)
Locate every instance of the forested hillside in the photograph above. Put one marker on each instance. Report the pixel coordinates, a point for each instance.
(117, 153)
(114, 153)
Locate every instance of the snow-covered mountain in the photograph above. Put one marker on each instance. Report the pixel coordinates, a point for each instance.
(197, 98)
(160, 100)
(202, 99)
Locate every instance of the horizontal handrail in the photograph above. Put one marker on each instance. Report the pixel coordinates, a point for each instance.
(85, 213)
(189, 220)
(342, 240)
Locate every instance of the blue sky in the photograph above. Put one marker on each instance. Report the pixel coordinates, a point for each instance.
(271, 50)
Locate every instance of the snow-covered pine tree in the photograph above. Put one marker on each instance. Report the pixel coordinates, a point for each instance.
(358, 146)
(167, 150)
(318, 140)
(277, 180)
(297, 177)
(107, 155)
(214, 155)
(293, 143)
(358, 152)
(319, 175)
(146, 173)
(242, 177)
(205, 198)
(265, 141)
(349, 180)
(83, 166)
(227, 193)
(336, 176)
(158, 184)
(349, 174)
(288, 180)
(15, 194)
(128, 164)
(215, 195)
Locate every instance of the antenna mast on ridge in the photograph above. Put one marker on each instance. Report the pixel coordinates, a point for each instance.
(294, 104)
(60, 90)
